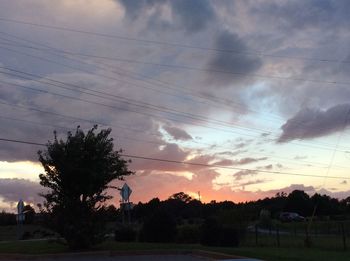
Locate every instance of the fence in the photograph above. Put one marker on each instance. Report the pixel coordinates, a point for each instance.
(326, 235)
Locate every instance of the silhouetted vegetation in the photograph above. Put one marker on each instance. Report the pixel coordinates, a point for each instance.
(7, 219)
(225, 223)
(182, 219)
(125, 234)
(78, 171)
(159, 227)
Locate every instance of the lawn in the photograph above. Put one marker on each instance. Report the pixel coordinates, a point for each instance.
(10, 232)
(265, 253)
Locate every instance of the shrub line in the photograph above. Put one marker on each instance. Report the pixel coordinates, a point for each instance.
(194, 252)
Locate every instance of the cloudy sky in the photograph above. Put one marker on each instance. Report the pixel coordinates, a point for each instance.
(258, 90)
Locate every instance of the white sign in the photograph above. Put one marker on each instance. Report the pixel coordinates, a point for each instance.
(125, 192)
(20, 208)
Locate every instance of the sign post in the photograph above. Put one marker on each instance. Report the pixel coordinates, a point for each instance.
(126, 205)
(20, 218)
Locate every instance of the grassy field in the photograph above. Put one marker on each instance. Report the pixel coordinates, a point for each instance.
(324, 235)
(10, 232)
(325, 246)
(329, 242)
(265, 253)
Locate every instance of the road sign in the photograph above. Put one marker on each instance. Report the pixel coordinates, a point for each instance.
(20, 207)
(125, 192)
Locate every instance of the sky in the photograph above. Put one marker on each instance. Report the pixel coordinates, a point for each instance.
(255, 91)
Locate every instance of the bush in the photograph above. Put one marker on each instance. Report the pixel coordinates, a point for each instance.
(229, 236)
(27, 235)
(160, 227)
(188, 234)
(265, 219)
(210, 232)
(125, 234)
(214, 234)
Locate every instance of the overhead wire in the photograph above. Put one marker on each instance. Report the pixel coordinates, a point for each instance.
(157, 42)
(190, 163)
(55, 62)
(268, 157)
(143, 112)
(58, 50)
(332, 82)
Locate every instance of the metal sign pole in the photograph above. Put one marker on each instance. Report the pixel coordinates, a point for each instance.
(125, 205)
(20, 219)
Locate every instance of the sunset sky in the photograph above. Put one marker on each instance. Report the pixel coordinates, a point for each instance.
(259, 87)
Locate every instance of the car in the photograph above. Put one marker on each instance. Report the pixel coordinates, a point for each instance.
(290, 216)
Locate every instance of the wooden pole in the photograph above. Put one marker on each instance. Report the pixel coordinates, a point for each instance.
(344, 236)
(278, 236)
(256, 235)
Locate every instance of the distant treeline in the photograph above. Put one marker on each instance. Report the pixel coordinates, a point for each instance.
(181, 205)
(183, 219)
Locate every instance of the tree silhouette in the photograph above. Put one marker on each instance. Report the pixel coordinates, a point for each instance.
(78, 172)
(181, 196)
(298, 201)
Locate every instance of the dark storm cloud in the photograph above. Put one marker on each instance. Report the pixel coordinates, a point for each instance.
(11, 190)
(195, 15)
(243, 161)
(267, 167)
(249, 160)
(243, 173)
(231, 62)
(177, 133)
(313, 123)
(192, 16)
(251, 182)
(231, 153)
(298, 15)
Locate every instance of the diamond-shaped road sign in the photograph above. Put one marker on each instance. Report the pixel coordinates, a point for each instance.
(125, 192)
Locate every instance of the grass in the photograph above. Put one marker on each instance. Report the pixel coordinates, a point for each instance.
(329, 242)
(317, 227)
(325, 247)
(31, 247)
(265, 253)
(10, 232)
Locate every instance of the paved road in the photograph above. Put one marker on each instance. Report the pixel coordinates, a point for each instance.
(130, 258)
(133, 258)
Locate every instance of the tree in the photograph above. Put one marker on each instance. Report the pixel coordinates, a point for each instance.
(181, 196)
(29, 214)
(78, 171)
(298, 201)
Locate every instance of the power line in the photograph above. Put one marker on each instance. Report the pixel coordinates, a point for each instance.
(127, 109)
(154, 134)
(171, 86)
(157, 42)
(327, 82)
(142, 112)
(23, 142)
(58, 50)
(113, 97)
(103, 76)
(191, 163)
(115, 79)
(204, 70)
(226, 167)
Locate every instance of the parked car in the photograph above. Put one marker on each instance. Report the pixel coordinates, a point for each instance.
(291, 216)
